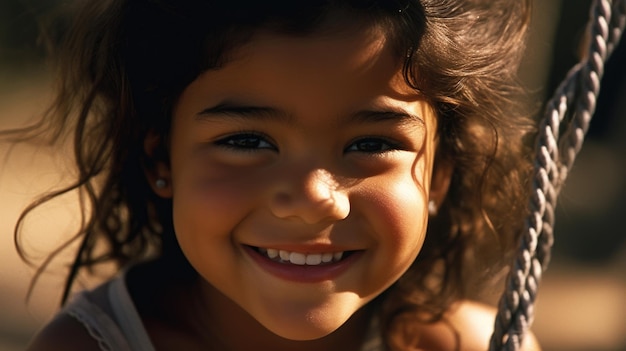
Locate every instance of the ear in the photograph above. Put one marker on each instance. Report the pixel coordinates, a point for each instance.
(440, 182)
(156, 166)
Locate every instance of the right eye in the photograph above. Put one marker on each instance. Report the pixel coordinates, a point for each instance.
(245, 142)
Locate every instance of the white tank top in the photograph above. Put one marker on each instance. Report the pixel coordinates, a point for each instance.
(122, 329)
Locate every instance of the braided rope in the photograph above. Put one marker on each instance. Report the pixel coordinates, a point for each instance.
(561, 134)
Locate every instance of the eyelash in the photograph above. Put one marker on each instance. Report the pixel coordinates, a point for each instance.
(230, 142)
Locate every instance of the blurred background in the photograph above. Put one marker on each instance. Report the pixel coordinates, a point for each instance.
(582, 299)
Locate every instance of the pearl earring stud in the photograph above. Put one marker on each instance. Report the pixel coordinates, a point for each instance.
(432, 208)
(160, 183)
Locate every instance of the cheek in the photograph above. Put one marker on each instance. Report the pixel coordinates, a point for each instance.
(397, 214)
(400, 201)
(212, 192)
(403, 214)
(206, 211)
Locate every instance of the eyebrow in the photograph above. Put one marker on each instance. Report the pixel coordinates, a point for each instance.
(245, 111)
(386, 114)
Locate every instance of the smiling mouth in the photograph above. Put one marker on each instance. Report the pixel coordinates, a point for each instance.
(302, 259)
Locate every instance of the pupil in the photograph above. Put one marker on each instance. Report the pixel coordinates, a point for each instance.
(248, 142)
(369, 146)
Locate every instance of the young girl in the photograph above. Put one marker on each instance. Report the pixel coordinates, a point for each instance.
(263, 172)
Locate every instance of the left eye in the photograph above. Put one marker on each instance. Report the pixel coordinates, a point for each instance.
(245, 141)
(371, 145)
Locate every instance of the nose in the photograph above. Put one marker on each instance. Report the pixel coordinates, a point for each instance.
(311, 196)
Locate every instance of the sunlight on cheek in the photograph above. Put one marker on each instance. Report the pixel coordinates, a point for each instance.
(408, 212)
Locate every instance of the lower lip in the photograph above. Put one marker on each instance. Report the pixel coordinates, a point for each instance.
(304, 273)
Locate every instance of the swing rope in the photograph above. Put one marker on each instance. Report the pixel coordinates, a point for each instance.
(560, 137)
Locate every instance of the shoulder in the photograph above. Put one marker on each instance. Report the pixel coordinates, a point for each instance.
(474, 322)
(466, 327)
(66, 332)
(63, 333)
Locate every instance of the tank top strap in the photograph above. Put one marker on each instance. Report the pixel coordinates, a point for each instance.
(127, 317)
(97, 323)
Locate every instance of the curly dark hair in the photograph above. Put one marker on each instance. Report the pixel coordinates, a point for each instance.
(123, 64)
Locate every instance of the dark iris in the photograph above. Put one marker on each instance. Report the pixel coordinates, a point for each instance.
(245, 141)
(371, 145)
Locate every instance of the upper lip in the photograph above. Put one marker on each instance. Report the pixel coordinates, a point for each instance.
(306, 248)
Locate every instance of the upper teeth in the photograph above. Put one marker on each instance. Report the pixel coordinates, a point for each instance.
(301, 258)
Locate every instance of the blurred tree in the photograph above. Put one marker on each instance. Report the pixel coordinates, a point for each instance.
(590, 216)
(22, 23)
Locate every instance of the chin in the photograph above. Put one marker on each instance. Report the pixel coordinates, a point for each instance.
(310, 325)
(307, 328)
(303, 333)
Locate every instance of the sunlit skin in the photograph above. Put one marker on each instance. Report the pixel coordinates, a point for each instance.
(306, 144)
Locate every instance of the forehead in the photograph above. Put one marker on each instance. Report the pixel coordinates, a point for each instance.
(348, 52)
(328, 60)
(311, 77)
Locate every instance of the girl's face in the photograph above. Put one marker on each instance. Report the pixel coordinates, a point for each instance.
(300, 174)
